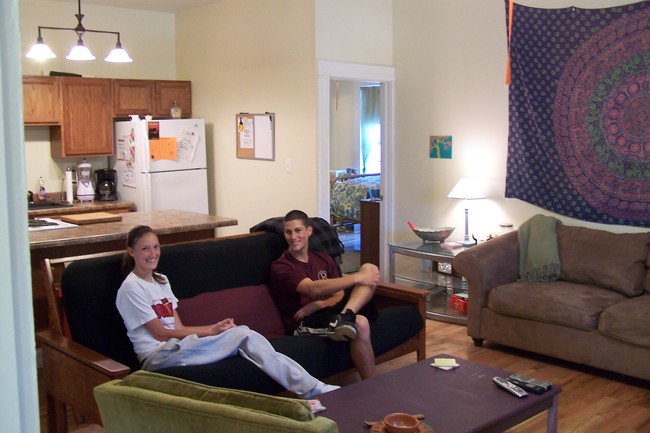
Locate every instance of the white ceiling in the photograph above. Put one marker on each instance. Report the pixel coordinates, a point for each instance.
(150, 5)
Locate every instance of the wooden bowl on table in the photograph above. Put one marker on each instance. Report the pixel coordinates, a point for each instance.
(401, 423)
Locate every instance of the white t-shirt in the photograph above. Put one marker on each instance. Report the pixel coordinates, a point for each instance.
(139, 302)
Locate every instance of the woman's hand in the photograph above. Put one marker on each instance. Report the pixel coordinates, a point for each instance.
(223, 325)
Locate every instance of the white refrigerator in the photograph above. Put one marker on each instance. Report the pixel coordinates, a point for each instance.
(161, 164)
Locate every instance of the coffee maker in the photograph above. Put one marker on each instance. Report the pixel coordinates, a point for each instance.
(105, 184)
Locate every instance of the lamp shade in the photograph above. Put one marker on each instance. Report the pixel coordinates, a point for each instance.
(80, 52)
(118, 55)
(466, 189)
(40, 51)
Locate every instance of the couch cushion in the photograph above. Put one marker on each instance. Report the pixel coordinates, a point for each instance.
(248, 305)
(628, 321)
(560, 302)
(221, 263)
(290, 408)
(89, 288)
(321, 357)
(614, 261)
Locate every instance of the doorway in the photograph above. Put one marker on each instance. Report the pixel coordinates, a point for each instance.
(329, 73)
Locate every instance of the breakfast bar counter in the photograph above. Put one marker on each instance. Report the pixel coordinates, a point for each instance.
(115, 206)
(172, 226)
(184, 226)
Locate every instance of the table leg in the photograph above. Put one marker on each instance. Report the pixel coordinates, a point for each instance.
(391, 264)
(551, 417)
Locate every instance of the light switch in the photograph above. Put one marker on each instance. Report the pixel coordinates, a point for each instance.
(288, 167)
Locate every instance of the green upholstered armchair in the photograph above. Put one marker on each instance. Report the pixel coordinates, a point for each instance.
(146, 402)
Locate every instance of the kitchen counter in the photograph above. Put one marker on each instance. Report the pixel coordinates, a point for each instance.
(167, 222)
(84, 207)
(172, 226)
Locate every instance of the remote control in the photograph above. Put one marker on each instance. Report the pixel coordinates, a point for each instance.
(510, 387)
(529, 384)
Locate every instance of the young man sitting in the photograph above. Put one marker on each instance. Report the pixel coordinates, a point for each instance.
(312, 294)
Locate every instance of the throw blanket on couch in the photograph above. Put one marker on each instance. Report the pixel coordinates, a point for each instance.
(539, 259)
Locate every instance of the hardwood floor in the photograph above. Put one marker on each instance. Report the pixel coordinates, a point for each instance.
(591, 401)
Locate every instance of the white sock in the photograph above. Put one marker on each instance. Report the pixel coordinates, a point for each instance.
(320, 388)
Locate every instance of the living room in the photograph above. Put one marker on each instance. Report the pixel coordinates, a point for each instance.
(459, 59)
(449, 59)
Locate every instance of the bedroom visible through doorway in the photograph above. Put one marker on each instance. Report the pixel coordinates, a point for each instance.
(332, 139)
(355, 159)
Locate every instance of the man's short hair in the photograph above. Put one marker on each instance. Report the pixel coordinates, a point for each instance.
(297, 215)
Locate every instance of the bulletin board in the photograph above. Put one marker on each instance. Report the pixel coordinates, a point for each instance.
(255, 136)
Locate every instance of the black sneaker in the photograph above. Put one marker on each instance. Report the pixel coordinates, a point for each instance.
(343, 326)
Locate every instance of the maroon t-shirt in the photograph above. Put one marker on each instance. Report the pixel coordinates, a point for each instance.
(287, 272)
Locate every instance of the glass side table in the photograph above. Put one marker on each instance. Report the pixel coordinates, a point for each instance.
(416, 273)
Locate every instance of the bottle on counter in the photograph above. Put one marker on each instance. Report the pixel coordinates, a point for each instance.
(41, 189)
(69, 191)
(176, 111)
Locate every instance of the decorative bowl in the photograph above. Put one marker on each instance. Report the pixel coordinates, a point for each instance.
(401, 423)
(433, 235)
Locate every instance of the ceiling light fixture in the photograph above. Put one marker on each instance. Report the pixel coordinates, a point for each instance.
(40, 51)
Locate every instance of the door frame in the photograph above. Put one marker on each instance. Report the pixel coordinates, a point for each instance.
(385, 75)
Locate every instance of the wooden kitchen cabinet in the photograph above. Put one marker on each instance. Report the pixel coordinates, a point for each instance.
(132, 97)
(41, 100)
(154, 97)
(87, 125)
(166, 92)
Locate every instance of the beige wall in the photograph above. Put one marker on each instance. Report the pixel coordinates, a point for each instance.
(450, 59)
(148, 37)
(355, 31)
(254, 56)
(344, 121)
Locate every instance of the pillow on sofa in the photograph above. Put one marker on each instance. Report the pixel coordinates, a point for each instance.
(249, 305)
(287, 407)
(614, 261)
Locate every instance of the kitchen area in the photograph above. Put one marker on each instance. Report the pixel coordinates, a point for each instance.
(95, 170)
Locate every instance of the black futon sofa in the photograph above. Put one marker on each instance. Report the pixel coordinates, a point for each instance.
(213, 279)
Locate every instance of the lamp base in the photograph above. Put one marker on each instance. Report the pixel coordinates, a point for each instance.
(467, 243)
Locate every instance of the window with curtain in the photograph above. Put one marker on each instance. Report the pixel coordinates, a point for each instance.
(370, 154)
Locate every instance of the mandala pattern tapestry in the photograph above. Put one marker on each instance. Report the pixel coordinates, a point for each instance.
(579, 112)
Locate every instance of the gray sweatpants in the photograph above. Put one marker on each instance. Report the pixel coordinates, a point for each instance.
(194, 350)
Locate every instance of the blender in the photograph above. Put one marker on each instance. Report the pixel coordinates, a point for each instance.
(85, 190)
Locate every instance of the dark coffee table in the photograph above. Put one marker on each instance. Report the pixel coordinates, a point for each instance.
(460, 400)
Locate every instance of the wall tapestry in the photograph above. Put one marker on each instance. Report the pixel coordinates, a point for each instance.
(579, 112)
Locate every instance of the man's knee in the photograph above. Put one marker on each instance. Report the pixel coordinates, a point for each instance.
(363, 327)
(369, 266)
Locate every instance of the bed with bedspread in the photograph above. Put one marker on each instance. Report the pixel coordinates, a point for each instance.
(346, 191)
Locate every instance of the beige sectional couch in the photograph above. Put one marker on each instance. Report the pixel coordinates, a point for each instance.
(596, 313)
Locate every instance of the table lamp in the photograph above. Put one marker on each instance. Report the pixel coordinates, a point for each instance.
(466, 189)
